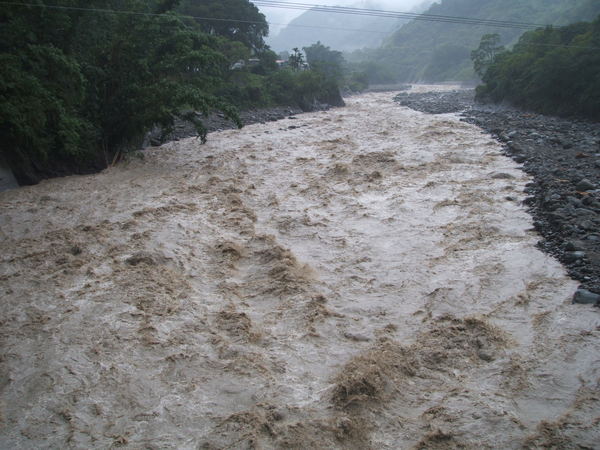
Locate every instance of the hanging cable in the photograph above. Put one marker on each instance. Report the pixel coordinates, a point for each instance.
(289, 5)
(394, 14)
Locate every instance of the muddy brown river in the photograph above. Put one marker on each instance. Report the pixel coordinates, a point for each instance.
(360, 278)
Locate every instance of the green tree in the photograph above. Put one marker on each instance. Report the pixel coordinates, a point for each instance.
(79, 87)
(486, 53)
(326, 61)
(550, 70)
(296, 59)
(151, 70)
(238, 20)
(41, 87)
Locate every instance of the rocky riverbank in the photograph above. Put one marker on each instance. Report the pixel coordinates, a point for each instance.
(563, 157)
(218, 122)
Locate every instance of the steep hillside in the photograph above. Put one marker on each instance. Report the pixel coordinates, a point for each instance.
(557, 75)
(433, 51)
(344, 32)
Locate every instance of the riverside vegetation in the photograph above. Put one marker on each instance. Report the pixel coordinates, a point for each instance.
(550, 70)
(82, 85)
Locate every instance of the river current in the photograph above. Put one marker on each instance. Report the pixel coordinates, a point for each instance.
(364, 277)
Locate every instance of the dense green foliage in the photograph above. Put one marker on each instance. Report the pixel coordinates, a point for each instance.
(250, 30)
(486, 53)
(296, 59)
(326, 61)
(550, 70)
(80, 85)
(334, 68)
(436, 51)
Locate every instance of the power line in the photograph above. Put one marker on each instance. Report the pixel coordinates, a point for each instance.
(390, 14)
(395, 14)
(413, 16)
(286, 5)
(525, 44)
(535, 44)
(139, 13)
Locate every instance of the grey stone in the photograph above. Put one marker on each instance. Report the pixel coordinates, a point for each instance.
(574, 256)
(587, 200)
(575, 246)
(356, 337)
(574, 201)
(7, 179)
(485, 356)
(557, 215)
(502, 176)
(585, 297)
(585, 185)
(587, 225)
(593, 258)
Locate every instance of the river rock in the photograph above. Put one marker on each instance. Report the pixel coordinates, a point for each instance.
(502, 176)
(575, 246)
(585, 297)
(587, 225)
(585, 185)
(574, 201)
(7, 179)
(358, 337)
(574, 256)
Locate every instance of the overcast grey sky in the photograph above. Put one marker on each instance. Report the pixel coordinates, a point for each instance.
(284, 16)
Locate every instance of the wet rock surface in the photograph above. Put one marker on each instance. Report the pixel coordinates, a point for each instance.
(218, 122)
(562, 156)
(437, 102)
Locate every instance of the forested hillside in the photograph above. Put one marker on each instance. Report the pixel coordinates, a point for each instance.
(343, 32)
(83, 81)
(435, 51)
(552, 70)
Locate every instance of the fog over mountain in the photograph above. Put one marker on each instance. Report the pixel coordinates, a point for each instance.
(436, 51)
(344, 32)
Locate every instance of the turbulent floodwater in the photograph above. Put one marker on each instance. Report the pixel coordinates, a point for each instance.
(359, 278)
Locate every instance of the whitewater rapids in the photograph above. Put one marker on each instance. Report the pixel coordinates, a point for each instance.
(364, 277)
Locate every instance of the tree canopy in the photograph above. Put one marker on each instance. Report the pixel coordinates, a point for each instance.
(486, 53)
(329, 62)
(238, 20)
(83, 81)
(550, 70)
(79, 86)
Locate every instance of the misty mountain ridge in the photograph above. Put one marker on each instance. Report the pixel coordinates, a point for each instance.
(343, 32)
(436, 51)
